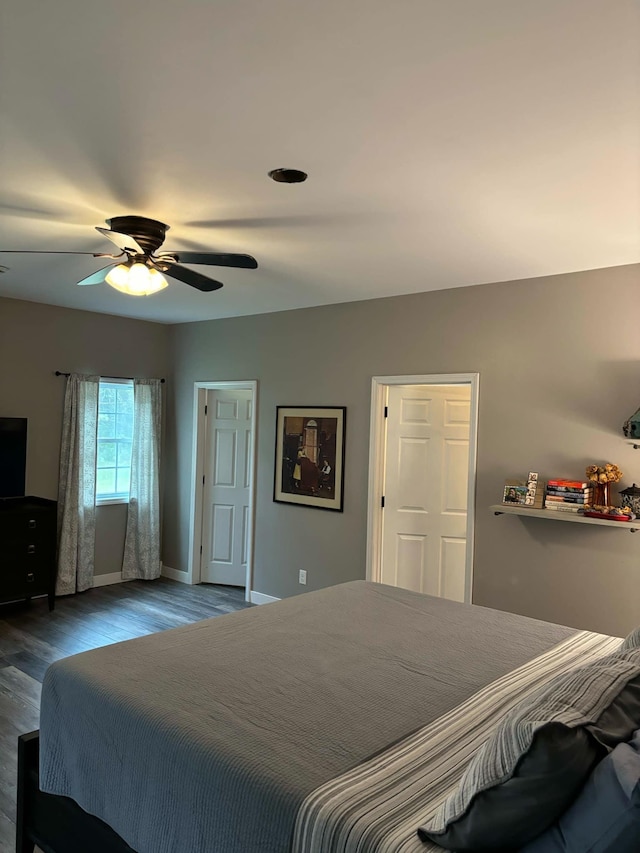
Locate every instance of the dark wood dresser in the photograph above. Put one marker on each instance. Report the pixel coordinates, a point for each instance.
(28, 534)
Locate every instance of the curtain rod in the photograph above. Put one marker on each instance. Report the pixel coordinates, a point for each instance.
(60, 373)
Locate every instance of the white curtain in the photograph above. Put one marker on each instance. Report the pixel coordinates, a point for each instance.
(142, 541)
(77, 485)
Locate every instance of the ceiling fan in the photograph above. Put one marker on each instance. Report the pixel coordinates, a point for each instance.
(141, 274)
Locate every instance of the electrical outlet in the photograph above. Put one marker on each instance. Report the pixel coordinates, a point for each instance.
(302, 576)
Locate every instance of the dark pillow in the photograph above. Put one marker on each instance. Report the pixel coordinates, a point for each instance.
(532, 767)
(606, 816)
(620, 718)
(632, 641)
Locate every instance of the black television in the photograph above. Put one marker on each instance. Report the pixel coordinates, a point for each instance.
(13, 457)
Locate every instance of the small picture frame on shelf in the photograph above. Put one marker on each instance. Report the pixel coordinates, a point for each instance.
(532, 489)
(514, 494)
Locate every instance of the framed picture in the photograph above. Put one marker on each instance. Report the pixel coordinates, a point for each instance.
(309, 464)
(532, 489)
(514, 495)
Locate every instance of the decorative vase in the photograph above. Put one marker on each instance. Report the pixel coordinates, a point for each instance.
(602, 494)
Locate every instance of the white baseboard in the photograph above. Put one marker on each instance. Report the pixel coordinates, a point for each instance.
(181, 577)
(174, 574)
(261, 598)
(116, 577)
(105, 580)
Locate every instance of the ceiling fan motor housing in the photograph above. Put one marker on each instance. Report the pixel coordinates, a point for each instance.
(148, 233)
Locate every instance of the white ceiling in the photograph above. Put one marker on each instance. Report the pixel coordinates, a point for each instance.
(448, 143)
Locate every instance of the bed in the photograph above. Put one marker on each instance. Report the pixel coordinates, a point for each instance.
(280, 728)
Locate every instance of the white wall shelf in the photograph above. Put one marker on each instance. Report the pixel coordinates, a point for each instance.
(573, 518)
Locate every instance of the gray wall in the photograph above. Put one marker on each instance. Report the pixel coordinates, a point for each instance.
(35, 341)
(559, 364)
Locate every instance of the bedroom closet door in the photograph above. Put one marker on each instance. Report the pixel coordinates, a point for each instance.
(425, 490)
(228, 471)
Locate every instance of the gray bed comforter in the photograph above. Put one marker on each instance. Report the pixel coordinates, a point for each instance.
(210, 736)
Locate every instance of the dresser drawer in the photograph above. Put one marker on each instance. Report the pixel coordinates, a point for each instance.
(27, 527)
(24, 553)
(24, 584)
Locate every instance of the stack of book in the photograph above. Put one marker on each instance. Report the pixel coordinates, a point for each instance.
(567, 495)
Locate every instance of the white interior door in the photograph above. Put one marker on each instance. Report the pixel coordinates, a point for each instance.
(425, 490)
(228, 471)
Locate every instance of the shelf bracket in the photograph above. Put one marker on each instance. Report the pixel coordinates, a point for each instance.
(498, 513)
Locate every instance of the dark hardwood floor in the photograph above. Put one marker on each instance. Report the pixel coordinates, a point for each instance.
(31, 638)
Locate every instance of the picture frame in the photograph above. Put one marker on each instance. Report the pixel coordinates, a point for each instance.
(309, 456)
(532, 490)
(514, 495)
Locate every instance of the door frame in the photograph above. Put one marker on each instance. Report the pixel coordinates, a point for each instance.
(198, 456)
(377, 433)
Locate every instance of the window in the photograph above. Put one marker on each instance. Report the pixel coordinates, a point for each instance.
(115, 435)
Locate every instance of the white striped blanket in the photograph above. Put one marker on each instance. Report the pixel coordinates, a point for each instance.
(378, 806)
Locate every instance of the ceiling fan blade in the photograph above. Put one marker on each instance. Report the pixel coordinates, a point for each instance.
(122, 241)
(97, 277)
(267, 221)
(48, 252)
(194, 279)
(216, 259)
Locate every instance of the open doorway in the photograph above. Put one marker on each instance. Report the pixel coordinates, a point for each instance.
(223, 496)
(422, 483)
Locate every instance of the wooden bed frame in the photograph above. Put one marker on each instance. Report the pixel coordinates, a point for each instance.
(55, 824)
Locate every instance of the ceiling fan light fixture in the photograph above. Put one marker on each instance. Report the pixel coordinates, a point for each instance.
(118, 276)
(136, 279)
(140, 274)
